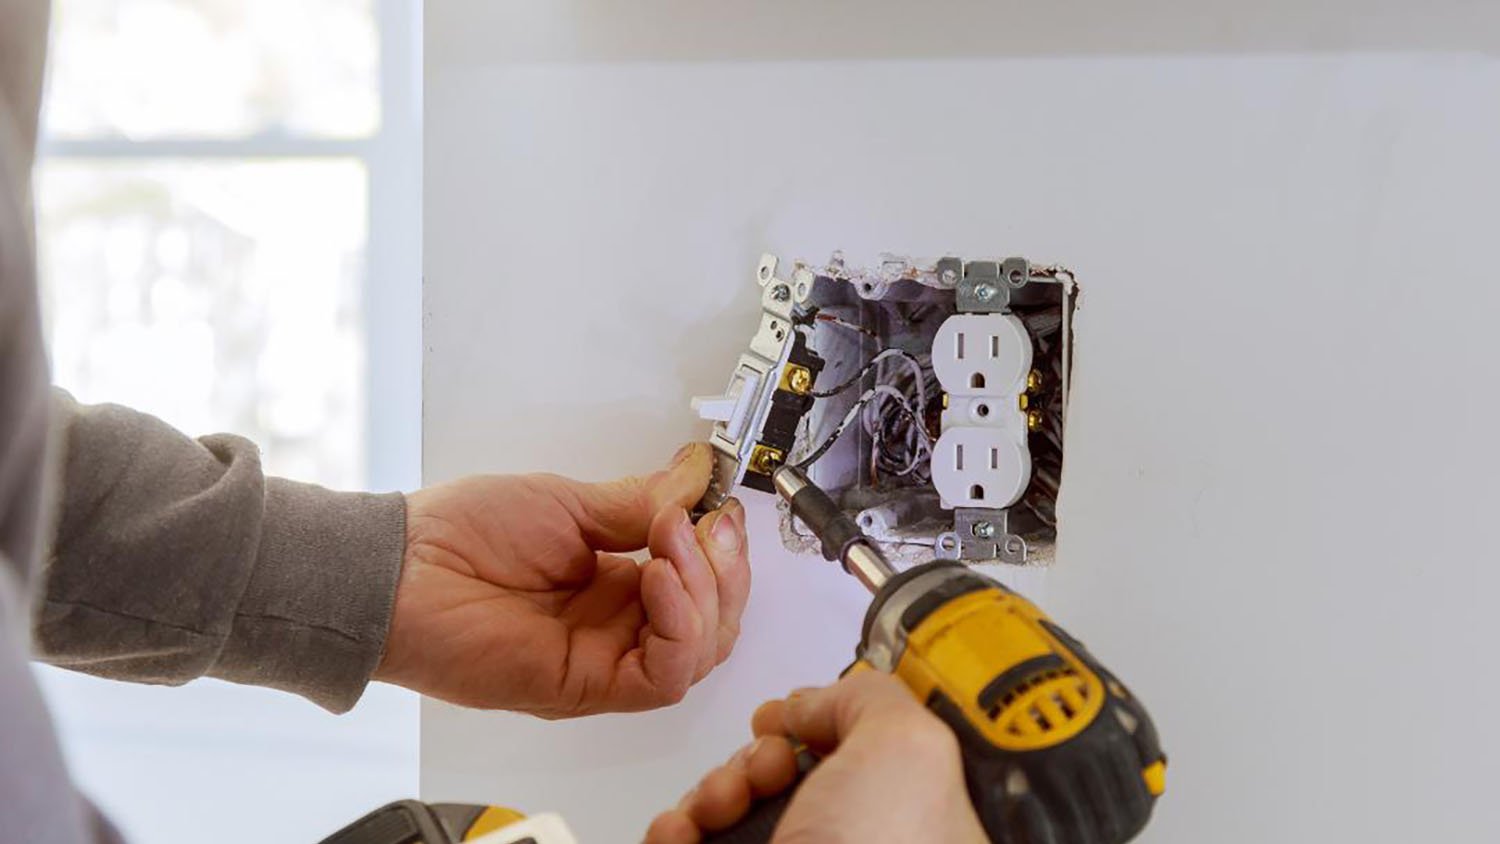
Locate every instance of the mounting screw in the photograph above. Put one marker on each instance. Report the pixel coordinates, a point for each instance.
(949, 278)
(983, 530)
(781, 293)
(984, 291)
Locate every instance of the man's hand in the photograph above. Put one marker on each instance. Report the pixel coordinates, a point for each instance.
(512, 596)
(890, 771)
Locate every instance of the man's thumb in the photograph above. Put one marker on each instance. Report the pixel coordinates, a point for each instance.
(616, 515)
(686, 477)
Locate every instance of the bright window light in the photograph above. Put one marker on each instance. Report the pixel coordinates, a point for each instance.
(218, 295)
(213, 68)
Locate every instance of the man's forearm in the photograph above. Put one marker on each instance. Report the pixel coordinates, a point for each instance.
(176, 558)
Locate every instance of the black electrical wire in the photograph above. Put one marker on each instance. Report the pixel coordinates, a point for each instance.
(859, 405)
(897, 447)
(884, 354)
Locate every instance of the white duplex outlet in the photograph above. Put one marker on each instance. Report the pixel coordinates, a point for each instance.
(982, 362)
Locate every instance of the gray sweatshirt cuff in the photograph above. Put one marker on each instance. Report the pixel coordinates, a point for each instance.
(177, 558)
(314, 616)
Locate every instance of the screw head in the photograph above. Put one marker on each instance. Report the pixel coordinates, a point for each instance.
(765, 460)
(781, 293)
(799, 380)
(949, 278)
(983, 530)
(984, 291)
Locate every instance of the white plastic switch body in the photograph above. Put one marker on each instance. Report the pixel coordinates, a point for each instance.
(733, 407)
(982, 459)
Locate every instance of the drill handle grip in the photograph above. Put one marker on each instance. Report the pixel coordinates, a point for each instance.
(758, 824)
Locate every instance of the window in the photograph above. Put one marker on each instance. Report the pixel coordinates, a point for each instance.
(228, 201)
(219, 295)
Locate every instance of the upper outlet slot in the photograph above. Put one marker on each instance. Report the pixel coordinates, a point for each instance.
(976, 354)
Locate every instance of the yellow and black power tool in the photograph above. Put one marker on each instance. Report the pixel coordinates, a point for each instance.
(1056, 749)
(415, 822)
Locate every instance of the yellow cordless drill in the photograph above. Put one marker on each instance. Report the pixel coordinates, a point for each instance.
(1056, 749)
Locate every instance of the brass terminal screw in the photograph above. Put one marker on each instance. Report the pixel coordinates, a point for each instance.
(795, 379)
(1034, 420)
(764, 460)
(799, 379)
(1033, 380)
(1024, 401)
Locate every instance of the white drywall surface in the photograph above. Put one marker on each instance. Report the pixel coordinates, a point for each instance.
(1282, 459)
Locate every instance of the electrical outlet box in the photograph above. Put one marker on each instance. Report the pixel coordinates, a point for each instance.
(929, 398)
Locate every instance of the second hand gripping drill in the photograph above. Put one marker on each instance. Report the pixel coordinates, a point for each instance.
(1056, 750)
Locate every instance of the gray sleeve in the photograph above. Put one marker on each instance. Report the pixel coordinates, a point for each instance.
(176, 558)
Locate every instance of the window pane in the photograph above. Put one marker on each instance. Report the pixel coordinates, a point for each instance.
(212, 68)
(221, 296)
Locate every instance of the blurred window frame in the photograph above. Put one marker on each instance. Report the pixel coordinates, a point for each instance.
(391, 293)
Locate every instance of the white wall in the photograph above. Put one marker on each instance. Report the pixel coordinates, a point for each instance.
(1280, 457)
